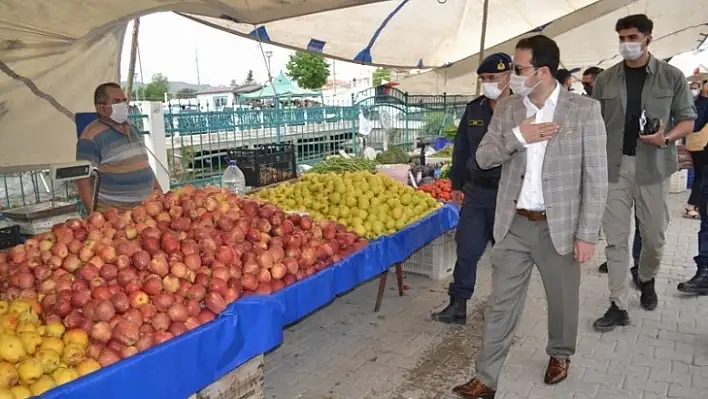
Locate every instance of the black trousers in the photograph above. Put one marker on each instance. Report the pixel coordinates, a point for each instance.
(699, 161)
(474, 232)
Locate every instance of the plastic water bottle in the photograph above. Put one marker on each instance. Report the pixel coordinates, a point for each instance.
(233, 179)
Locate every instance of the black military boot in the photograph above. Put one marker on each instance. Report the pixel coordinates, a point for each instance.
(454, 313)
(603, 268)
(696, 285)
(648, 300)
(614, 317)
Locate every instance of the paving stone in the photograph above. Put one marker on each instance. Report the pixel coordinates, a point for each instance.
(346, 351)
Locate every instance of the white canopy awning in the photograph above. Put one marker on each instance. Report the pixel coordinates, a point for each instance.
(586, 38)
(404, 33)
(54, 53)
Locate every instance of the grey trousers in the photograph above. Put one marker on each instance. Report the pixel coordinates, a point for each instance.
(651, 205)
(526, 244)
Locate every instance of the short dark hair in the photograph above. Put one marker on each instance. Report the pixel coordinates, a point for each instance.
(594, 71)
(99, 95)
(639, 21)
(563, 75)
(544, 51)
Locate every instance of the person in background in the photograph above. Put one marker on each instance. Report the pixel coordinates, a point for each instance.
(116, 148)
(699, 90)
(636, 250)
(639, 166)
(551, 146)
(695, 88)
(698, 284)
(565, 79)
(589, 77)
(473, 188)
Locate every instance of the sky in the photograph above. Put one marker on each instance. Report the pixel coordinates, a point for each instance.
(170, 44)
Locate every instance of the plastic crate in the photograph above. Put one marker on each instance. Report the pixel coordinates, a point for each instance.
(267, 164)
(396, 172)
(435, 260)
(679, 182)
(10, 236)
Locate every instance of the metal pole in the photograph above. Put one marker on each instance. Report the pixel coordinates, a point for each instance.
(196, 61)
(133, 56)
(485, 13)
(334, 77)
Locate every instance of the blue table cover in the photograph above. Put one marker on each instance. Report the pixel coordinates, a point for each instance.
(250, 326)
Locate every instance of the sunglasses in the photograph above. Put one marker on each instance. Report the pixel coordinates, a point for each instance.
(519, 69)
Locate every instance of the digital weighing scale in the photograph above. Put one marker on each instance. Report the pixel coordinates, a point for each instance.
(34, 219)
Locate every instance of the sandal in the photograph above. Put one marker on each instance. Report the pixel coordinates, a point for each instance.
(691, 213)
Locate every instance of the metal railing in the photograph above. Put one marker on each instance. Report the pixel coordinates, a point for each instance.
(198, 139)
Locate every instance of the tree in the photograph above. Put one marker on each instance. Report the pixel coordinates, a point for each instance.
(186, 93)
(379, 75)
(249, 78)
(310, 71)
(156, 89)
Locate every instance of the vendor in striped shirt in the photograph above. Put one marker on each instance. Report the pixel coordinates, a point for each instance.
(117, 149)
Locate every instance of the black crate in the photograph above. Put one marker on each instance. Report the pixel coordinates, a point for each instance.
(10, 236)
(266, 164)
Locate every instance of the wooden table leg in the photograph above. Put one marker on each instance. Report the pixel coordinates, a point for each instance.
(399, 278)
(382, 288)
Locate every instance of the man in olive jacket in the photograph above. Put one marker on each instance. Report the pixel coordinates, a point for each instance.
(639, 166)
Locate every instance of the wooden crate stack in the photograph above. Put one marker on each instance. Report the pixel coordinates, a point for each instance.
(245, 382)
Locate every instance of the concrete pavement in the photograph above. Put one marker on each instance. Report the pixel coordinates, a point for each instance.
(346, 351)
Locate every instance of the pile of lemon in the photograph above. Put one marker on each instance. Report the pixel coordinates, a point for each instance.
(35, 358)
(369, 204)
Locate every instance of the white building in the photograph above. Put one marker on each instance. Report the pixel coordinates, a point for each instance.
(341, 92)
(216, 99)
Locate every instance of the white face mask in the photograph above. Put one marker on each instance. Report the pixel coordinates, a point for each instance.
(119, 112)
(518, 85)
(631, 51)
(694, 92)
(491, 90)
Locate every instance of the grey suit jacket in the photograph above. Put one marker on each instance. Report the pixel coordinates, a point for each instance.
(574, 168)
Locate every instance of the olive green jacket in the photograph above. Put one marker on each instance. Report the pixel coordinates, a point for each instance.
(665, 96)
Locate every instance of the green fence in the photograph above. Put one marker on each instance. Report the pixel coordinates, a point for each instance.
(199, 139)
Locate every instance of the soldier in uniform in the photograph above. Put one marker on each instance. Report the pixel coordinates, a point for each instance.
(474, 189)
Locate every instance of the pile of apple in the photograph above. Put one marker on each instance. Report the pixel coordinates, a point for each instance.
(137, 278)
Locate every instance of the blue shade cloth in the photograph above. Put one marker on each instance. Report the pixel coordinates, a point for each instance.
(440, 142)
(82, 120)
(250, 326)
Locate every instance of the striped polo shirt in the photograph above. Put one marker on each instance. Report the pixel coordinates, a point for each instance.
(126, 176)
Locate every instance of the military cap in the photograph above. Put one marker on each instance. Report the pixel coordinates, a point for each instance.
(495, 63)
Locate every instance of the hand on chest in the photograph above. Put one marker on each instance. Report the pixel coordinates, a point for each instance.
(568, 139)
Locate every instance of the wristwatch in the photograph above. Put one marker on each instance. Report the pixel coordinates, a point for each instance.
(667, 141)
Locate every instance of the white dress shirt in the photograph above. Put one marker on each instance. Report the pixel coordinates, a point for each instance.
(531, 197)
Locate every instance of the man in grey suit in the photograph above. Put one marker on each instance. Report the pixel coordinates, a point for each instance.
(633, 92)
(552, 147)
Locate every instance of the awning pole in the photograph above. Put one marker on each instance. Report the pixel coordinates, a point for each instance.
(485, 13)
(133, 57)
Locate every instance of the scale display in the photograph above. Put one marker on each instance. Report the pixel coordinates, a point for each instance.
(70, 172)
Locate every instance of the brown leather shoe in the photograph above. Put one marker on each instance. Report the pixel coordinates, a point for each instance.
(557, 371)
(474, 389)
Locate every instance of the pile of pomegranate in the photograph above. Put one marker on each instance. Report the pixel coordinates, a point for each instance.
(137, 278)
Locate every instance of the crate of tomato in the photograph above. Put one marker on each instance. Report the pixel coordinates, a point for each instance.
(441, 189)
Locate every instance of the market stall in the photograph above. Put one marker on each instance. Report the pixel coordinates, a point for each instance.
(167, 298)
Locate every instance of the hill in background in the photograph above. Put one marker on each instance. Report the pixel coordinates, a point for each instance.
(175, 86)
